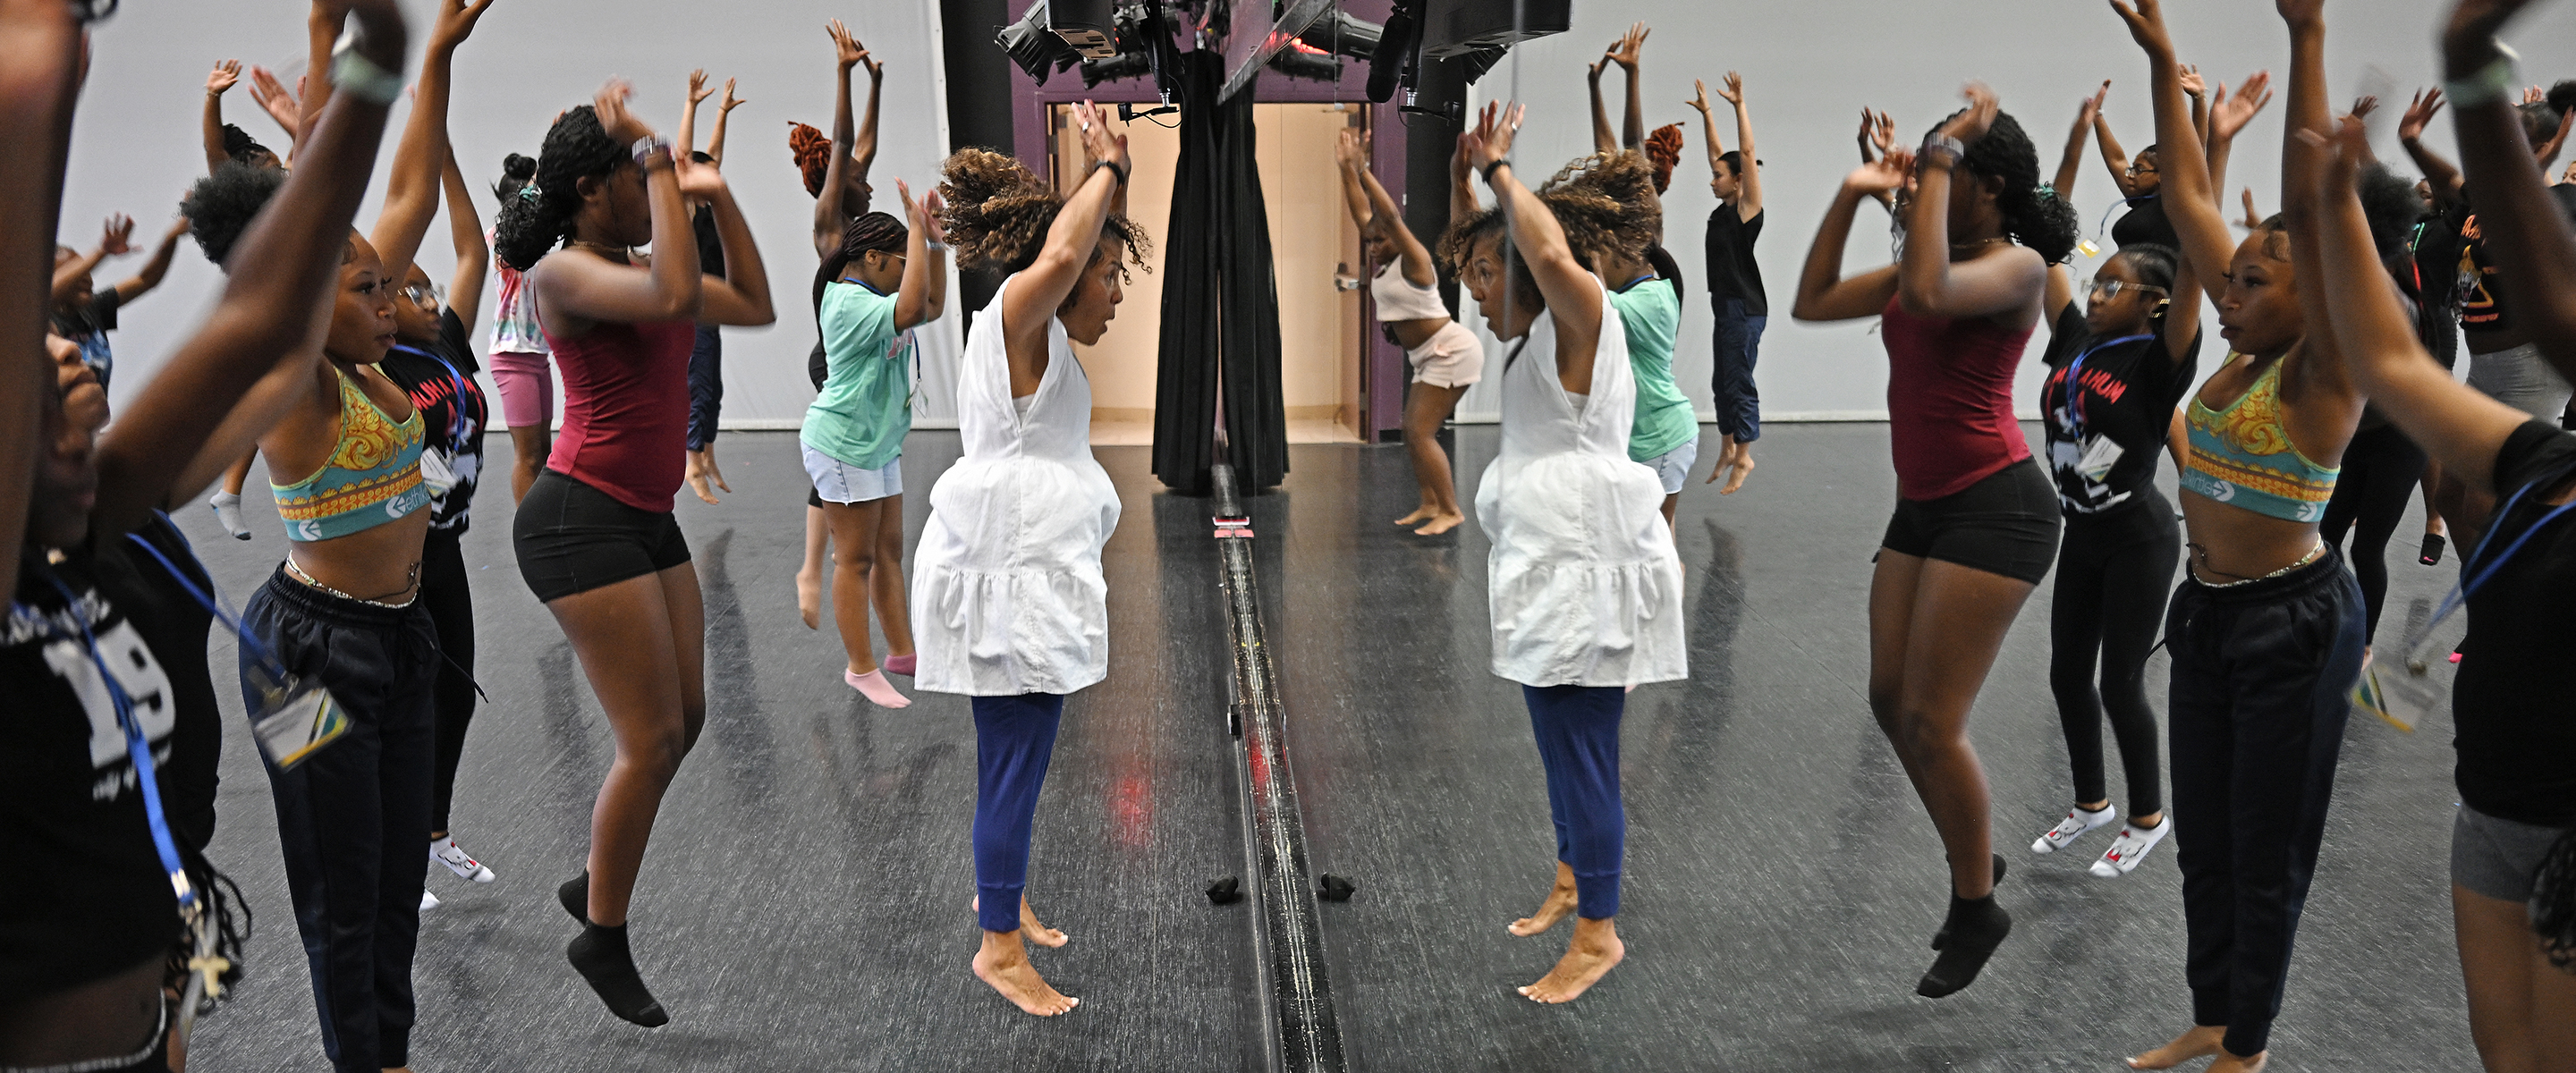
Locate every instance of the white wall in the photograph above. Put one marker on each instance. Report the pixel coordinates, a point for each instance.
(136, 146)
(1809, 67)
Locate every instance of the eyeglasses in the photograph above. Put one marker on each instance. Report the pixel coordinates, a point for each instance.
(2109, 289)
(423, 294)
(2137, 167)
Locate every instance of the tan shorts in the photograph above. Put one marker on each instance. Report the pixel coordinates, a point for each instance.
(1450, 358)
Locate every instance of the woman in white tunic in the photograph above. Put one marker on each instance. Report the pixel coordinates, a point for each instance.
(1586, 589)
(1010, 608)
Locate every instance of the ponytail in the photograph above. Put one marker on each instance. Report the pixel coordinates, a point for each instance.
(2034, 215)
(540, 216)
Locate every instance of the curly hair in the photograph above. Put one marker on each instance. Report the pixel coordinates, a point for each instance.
(997, 213)
(813, 153)
(1599, 201)
(2388, 201)
(517, 171)
(575, 149)
(222, 205)
(2034, 216)
(239, 145)
(1664, 149)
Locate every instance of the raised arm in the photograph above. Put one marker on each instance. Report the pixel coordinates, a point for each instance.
(281, 105)
(923, 295)
(1928, 282)
(1877, 139)
(411, 186)
(1823, 293)
(238, 375)
(2228, 116)
(1462, 183)
(1575, 300)
(154, 268)
(210, 127)
(114, 240)
(1708, 127)
(1348, 163)
(465, 234)
(2190, 204)
(41, 83)
(2459, 426)
(698, 91)
(1419, 268)
(672, 288)
(1632, 123)
(2198, 91)
(2444, 176)
(2323, 395)
(313, 92)
(1748, 202)
(2533, 246)
(2113, 157)
(1603, 139)
(1038, 290)
(724, 113)
(741, 297)
(2071, 162)
(831, 217)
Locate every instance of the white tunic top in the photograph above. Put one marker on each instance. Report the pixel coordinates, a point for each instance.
(1007, 596)
(1585, 586)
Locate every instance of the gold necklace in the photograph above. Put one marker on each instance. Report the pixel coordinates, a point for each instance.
(603, 248)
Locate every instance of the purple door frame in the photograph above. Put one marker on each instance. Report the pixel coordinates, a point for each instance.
(1382, 389)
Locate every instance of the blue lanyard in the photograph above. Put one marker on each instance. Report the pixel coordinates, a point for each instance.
(2485, 571)
(2075, 388)
(456, 421)
(231, 621)
(137, 750)
(2130, 202)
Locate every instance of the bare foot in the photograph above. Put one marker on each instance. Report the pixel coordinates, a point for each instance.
(1559, 903)
(1594, 950)
(2228, 1063)
(1004, 964)
(1030, 928)
(809, 600)
(1440, 523)
(1741, 467)
(2200, 1042)
(1420, 514)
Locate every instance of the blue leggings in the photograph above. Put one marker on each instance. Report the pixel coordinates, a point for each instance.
(1014, 739)
(1578, 742)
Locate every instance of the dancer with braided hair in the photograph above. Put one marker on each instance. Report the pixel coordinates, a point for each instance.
(1976, 519)
(1585, 586)
(596, 540)
(868, 299)
(1015, 610)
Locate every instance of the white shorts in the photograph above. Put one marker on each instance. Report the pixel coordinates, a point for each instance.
(1673, 467)
(839, 482)
(1450, 358)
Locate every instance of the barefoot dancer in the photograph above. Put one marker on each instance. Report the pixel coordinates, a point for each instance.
(1445, 356)
(596, 540)
(836, 174)
(1735, 283)
(1586, 589)
(1645, 289)
(885, 280)
(2266, 628)
(1015, 612)
(1976, 524)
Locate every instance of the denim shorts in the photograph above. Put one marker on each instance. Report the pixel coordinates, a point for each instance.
(1673, 467)
(2498, 858)
(836, 481)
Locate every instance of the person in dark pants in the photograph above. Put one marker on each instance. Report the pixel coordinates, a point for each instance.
(706, 357)
(1735, 292)
(2380, 473)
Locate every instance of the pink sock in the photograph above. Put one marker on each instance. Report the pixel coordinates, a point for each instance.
(903, 664)
(874, 686)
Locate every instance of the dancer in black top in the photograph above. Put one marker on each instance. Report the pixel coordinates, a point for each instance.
(1737, 301)
(2139, 179)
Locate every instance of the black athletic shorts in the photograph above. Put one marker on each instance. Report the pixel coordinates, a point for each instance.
(574, 538)
(2004, 524)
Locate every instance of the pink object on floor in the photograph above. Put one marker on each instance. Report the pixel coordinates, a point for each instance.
(902, 665)
(873, 685)
(2455, 657)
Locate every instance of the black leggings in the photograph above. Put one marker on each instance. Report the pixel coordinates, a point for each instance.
(2114, 575)
(445, 592)
(2380, 472)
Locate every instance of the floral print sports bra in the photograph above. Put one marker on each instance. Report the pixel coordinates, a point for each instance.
(372, 476)
(2242, 456)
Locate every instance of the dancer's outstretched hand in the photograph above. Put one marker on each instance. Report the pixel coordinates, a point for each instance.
(2146, 26)
(1097, 142)
(609, 104)
(224, 77)
(1978, 119)
(2231, 111)
(1492, 139)
(1885, 175)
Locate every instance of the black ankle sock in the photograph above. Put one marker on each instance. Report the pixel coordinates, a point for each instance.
(601, 955)
(575, 896)
(1941, 938)
(1975, 927)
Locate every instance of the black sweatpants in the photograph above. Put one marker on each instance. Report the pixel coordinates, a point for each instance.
(444, 590)
(2115, 574)
(353, 818)
(2380, 473)
(2259, 674)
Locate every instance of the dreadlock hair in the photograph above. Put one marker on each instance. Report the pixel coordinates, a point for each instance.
(1599, 202)
(2033, 217)
(575, 149)
(239, 145)
(222, 205)
(997, 213)
(1664, 149)
(517, 171)
(813, 153)
(874, 232)
(2156, 266)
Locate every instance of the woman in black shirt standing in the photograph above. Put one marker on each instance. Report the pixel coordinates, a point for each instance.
(2117, 366)
(1734, 283)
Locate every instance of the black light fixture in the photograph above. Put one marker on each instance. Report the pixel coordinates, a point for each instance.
(1391, 61)
(1337, 32)
(1301, 60)
(1034, 46)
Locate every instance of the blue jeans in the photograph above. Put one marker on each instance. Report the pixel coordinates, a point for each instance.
(706, 386)
(1577, 728)
(1014, 740)
(1739, 341)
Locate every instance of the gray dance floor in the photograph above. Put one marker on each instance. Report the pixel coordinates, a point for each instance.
(805, 901)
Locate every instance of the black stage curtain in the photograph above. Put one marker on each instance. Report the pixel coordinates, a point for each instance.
(1220, 340)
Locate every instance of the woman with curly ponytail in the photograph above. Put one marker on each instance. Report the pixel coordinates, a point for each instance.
(596, 540)
(1976, 519)
(1009, 564)
(517, 354)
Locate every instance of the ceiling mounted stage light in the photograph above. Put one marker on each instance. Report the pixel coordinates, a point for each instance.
(1035, 47)
(1338, 32)
(1301, 60)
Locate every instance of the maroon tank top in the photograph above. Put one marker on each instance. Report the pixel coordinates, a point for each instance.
(626, 410)
(1950, 401)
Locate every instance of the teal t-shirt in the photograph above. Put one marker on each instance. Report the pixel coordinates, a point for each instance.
(1652, 314)
(865, 408)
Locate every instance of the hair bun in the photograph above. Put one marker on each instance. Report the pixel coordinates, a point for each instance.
(519, 166)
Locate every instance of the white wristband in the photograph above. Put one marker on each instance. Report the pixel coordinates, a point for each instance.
(648, 146)
(361, 76)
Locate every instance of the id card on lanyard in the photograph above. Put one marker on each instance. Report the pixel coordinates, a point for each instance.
(295, 718)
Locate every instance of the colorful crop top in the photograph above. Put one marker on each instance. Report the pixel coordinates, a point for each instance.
(2242, 456)
(372, 476)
